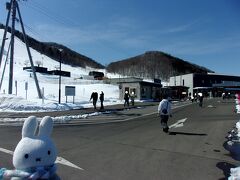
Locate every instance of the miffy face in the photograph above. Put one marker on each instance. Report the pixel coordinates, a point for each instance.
(34, 151)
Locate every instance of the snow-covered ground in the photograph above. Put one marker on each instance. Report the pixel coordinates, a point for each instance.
(27, 100)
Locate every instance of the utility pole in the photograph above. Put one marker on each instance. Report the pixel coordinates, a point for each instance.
(10, 82)
(14, 8)
(60, 75)
(8, 7)
(4, 68)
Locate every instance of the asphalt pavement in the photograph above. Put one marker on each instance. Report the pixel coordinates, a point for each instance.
(111, 113)
(137, 148)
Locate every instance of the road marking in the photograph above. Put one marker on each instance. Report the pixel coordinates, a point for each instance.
(211, 106)
(59, 160)
(6, 151)
(65, 162)
(179, 123)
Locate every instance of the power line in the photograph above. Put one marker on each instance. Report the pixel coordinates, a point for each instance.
(13, 9)
(34, 32)
(63, 21)
(63, 18)
(47, 12)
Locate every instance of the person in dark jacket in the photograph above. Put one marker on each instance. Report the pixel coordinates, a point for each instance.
(200, 99)
(94, 97)
(101, 98)
(126, 99)
(132, 98)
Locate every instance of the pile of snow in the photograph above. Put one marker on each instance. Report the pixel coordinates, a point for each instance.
(237, 99)
(233, 144)
(235, 174)
(27, 100)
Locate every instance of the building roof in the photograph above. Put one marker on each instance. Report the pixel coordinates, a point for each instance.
(232, 89)
(144, 83)
(202, 88)
(207, 74)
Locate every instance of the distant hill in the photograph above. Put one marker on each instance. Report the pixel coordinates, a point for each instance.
(154, 64)
(51, 50)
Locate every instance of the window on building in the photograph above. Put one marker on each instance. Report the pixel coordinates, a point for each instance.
(143, 92)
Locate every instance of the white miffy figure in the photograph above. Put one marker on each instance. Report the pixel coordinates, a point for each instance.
(35, 155)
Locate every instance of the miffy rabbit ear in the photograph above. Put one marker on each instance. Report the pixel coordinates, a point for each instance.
(29, 127)
(46, 126)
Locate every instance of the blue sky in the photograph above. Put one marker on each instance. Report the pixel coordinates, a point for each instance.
(204, 32)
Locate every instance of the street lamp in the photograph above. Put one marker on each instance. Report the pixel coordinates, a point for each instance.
(60, 73)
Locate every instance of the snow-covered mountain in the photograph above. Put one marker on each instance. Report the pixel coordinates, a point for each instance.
(48, 83)
(51, 49)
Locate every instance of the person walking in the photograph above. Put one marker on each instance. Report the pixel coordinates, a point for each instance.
(126, 99)
(94, 97)
(132, 98)
(101, 98)
(223, 96)
(164, 111)
(200, 99)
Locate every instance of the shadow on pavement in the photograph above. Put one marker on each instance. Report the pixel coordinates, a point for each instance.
(187, 134)
(225, 167)
(127, 114)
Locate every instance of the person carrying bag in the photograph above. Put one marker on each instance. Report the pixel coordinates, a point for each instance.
(164, 111)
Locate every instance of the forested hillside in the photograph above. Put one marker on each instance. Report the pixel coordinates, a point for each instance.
(154, 64)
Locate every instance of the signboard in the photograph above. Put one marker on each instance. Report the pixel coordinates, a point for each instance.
(26, 86)
(70, 91)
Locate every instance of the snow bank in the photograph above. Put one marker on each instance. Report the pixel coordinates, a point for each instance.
(233, 144)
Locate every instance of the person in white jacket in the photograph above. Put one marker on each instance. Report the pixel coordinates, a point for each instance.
(164, 111)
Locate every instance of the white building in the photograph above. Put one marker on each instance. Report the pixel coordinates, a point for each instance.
(183, 80)
(212, 83)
